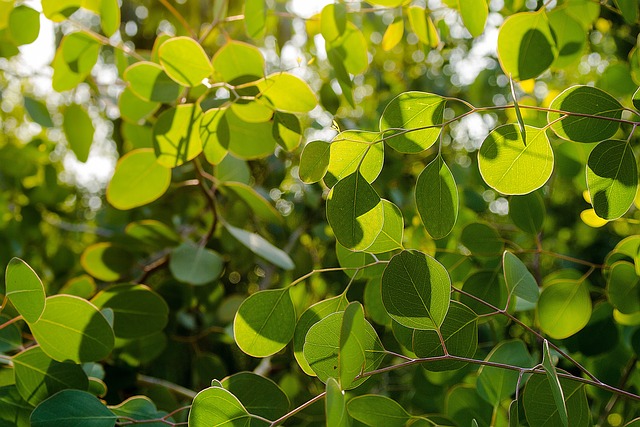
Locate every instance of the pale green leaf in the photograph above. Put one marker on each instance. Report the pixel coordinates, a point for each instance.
(25, 290)
(353, 335)
(237, 63)
(393, 34)
(185, 61)
(334, 407)
(216, 406)
(78, 127)
(255, 17)
(148, 81)
(390, 236)
(314, 161)
(74, 59)
(612, 178)
(73, 329)
(138, 180)
(474, 15)
(288, 93)
(194, 264)
(333, 21)
(176, 135)
(355, 150)
(408, 111)
(261, 247)
(265, 322)
(511, 166)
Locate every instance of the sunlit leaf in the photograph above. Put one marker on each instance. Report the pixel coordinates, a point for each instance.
(437, 198)
(25, 290)
(176, 135)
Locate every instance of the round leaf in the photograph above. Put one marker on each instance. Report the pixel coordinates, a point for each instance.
(540, 407)
(265, 322)
(185, 61)
(149, 81)
(496, 384)
(138, 180)
(564, 308)
(25, 290)
(72, 408)
(623, 288)
(512, 166)
(526, 45)
(322, 346)
(437, 198)
(238, 63)
(24, 25)
(612, 178)
(474, 15)
(38, 376)
(482, 239)
(286, 92)
(194, 264)
(585, 100)
(527, 212)
(570, 37)
(375, 410)
(314, 161)
(460, 333)
(215, 406)
(355, 212)
(259, 395)
(176, 135)
(390, 236)
(416, 290)
(133, 108)
(73, 329)
(354, 150)
(137, 310)
(412, 110)
(74, 59)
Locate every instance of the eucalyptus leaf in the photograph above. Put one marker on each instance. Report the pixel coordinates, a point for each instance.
(437, 198)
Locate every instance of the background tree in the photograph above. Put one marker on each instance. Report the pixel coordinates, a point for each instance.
(386, 213)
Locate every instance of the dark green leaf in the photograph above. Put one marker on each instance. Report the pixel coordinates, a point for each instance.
(437, 198)
(72, 408)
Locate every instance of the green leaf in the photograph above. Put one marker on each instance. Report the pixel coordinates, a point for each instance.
(376, 410)
(176, 135)
(390, 236)
(59, 10)
(333, 21)
(314, 161)
(14, 412)
(194, 264)
(259, 395)
(416, 290)
(482, 239)
(355, 262)
(463, 406)
(73, 329)
(109, 16)
(78, 127)
(138, 180)
(245, 140)
(265, 322)
(38, 376)
(10, 335)
(354, 150)
(393, 34)
(310, 317)
(526, 46)
(519, 280)
(422, 25)
(152, 234)
(584, 11)
(355, 212)
(412, 110)
(514, 417)
(214, 131)
(106, 261)
(585, 100)
(540, 407)
(237, 63)
(138, 408)
(258, 204)
(72, 408)
(137, 310)
(233, 169)
(570, 37)
(373, 305)
(635, 99)
(386, 3)
(135, 109)
(215, 406)
(437, 198)
(554, 383)
(629, 10)
(38, 112)
(25, 290)
(353, 335)
(24, 25)
(487, 286)
(511, 166)
(564, 307)
(474, 15)
(350, 50)
(527, 212)
(460, 334)
(287, 130)
(255, 18)
(148, 81)
(612, 178)
(623, 287)
(334, 407)
(259, 246)
(74, 59)
(497, 384)
(185, 61)
(322, 348)
(288, 93)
